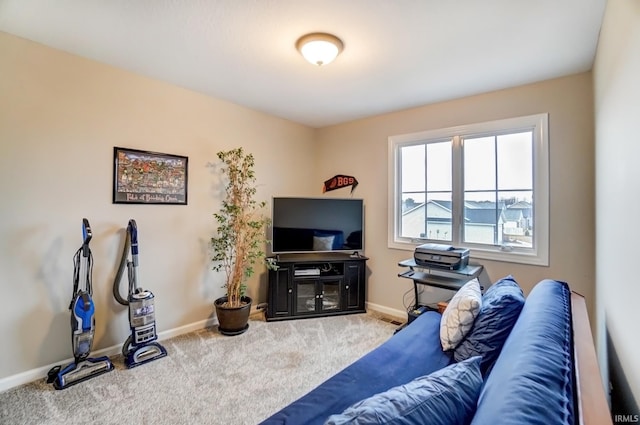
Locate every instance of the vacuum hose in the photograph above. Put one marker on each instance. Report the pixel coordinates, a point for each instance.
(123, 263)
(130, 272)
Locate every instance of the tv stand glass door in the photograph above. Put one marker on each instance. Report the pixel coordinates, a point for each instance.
(317, 295)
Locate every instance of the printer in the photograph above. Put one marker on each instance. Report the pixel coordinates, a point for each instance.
(441, 256)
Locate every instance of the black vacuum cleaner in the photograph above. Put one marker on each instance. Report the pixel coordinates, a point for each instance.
(140, 347)
(82, 323)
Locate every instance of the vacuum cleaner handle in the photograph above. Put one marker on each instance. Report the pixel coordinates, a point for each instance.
(130, 242)
(86, 237)
(132, 228)
(82, 263)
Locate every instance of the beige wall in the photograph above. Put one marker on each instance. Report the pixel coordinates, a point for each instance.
(60, 117)
(617, 114)
(360, 148)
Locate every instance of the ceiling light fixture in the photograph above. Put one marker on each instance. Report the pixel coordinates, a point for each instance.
(319, 48)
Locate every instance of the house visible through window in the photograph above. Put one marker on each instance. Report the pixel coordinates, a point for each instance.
(481, 186)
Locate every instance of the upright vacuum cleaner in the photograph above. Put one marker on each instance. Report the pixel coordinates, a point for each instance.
(82, 323)
(140, 347)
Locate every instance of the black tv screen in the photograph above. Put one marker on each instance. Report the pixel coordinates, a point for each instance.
(317, 225)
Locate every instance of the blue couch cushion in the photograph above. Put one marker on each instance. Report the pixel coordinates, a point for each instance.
(531, 382)
(445, 397)
(410, 353)
(501, 306)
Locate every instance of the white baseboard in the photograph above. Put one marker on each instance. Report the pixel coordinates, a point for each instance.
(187, 328)
(401, 314)
(40, 372)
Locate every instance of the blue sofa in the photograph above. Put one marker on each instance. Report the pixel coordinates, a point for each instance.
(530, 376)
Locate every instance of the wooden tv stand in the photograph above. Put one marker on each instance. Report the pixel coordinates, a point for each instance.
(316, 285)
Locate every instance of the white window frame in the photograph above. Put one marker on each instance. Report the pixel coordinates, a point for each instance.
(539, 254)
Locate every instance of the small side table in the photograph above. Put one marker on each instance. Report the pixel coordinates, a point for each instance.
(442, 278)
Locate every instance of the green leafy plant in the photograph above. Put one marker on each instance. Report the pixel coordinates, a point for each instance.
(241, 232)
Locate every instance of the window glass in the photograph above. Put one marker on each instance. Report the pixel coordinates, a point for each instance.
(413, 171)
(480, 163)
(514, 154)
(439, 167)
(426, 214)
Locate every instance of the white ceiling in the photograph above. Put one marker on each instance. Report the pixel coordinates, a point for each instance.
(398, 53)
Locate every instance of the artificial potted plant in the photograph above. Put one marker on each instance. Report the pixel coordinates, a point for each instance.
(240, 239)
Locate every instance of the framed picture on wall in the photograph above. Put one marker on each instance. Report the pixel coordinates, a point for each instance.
(143, 177)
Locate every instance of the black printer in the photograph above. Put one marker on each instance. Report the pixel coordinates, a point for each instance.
(441, 256)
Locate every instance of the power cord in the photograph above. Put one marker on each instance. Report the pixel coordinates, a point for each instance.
(404, 300)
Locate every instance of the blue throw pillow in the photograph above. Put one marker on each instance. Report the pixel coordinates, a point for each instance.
(447, 396)
(501, 306)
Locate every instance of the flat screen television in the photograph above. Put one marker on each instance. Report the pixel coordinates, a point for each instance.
(302, 225)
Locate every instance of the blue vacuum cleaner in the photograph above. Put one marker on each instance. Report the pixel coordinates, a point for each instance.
(140, 347)
(82, 323)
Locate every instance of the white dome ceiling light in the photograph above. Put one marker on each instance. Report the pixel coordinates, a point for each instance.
(319, 48)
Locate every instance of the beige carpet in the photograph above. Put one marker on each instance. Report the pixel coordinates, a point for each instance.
(207, 378)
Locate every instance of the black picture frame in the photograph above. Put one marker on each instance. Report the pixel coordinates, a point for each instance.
(145, 177)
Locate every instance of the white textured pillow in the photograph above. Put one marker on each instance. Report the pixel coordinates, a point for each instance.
(323, 243)
(458, 317)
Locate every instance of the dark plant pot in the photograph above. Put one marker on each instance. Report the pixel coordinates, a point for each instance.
(232, 320)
